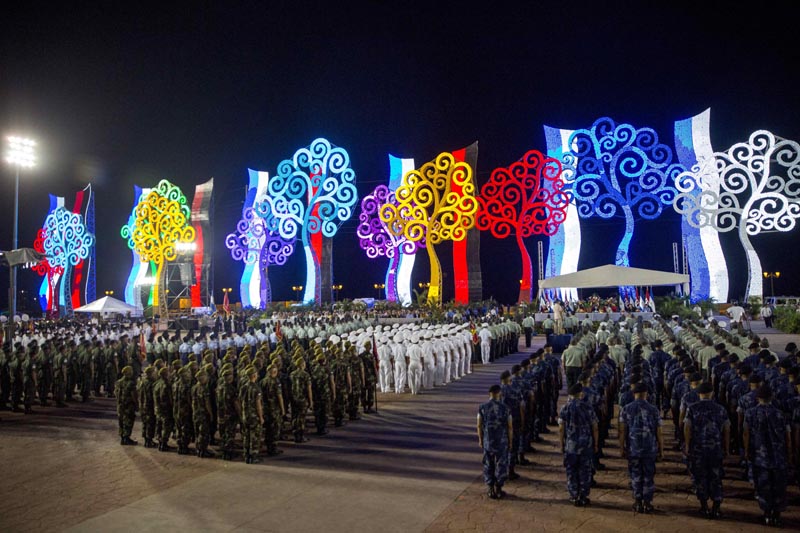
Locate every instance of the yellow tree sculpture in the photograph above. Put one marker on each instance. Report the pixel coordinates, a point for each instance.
(162, 221)
(435, 203)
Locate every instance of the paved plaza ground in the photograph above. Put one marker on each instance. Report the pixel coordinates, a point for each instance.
(415, 466)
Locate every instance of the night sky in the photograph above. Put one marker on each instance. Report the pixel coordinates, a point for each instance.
(125, 93)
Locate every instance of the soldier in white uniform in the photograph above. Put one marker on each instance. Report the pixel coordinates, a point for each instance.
(400, 364)
(429, 359)
(485, 335)
(384, 364)
(415, 364)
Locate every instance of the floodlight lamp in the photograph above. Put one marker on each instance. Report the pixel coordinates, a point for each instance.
(20, 151)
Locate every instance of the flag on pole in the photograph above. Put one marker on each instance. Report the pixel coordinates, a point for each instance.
(226, 304)
(650, 300)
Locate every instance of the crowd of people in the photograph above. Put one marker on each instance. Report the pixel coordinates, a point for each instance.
(725, 392)
(262, 383)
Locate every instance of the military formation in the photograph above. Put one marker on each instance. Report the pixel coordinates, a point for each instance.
(223, 393)
(726, 393)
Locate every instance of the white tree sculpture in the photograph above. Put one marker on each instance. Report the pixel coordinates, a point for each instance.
(753, 187)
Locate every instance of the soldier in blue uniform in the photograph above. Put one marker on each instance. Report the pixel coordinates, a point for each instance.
(747, 401)
(706, 430)
(766, 443)
(579, 434)
(641, 442)
(495, 434)
(511, 398)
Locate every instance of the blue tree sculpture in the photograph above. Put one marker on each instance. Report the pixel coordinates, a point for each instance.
(615, 168)
(314, 192)
(67, 243)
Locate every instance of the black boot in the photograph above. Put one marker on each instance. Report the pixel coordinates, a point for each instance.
(498, 489)
(183, 450)
(322, 431)
(704, 509)
(254, 460)
(491, 493)
(206, 454)
(130, 442)
(272, 451)
(122, 441)
(715, 513)
(247, 458)
(638, 507)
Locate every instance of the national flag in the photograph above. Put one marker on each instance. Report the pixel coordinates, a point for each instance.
(650, 301)
(226, 304)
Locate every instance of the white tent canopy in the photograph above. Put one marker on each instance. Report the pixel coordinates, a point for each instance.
(614, 276)
(107, 304)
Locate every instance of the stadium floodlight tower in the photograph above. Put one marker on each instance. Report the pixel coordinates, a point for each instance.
(20, 152)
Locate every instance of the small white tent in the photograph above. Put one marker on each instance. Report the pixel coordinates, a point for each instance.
(615, 276)
(107, 304)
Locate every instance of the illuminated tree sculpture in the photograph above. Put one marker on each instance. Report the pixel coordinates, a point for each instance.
(617, 167)
(162, 221)
(45, 268)
(67, 242)
(429, 208)
(525, 199)
(311, 194)
(752, 187)
(254, 244)
(377, 241)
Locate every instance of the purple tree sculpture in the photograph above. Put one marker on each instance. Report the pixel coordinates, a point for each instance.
(377, 241)
(254, 244)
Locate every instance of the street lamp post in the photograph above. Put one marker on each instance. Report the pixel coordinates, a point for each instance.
(297, 289)
(336, 289)
(19, 153)
(378, 288)
(771, 277)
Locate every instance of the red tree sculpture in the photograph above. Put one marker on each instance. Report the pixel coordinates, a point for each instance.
(525, 199)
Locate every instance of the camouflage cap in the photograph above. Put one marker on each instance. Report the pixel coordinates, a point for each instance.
(176, 364)
(208, 368)
(201, 374)
(250, 371)
(225, 373)
(163, 372)
(127, 371)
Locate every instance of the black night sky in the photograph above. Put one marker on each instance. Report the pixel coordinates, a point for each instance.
(126, 93)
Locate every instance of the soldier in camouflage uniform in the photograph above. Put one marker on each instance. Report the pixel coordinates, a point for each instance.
(162, 397)
(29, 377)
(15, 376)
(59, 376)
(111, 368)
(182, 409)
(706, 430)
(147, 410)
(202, 413)
(44, 372)
(252, 416)
(341, 378)
(641, 443)
(274, 408)
(356, 381)
(495, 433)
(73, 370)
(370, 378)
(85, 370)
(99, 365)
(302, 399)
(766, 444)
(229, 411)
(323, 390)
(5, 378)
(579, 435)
(125, 391)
